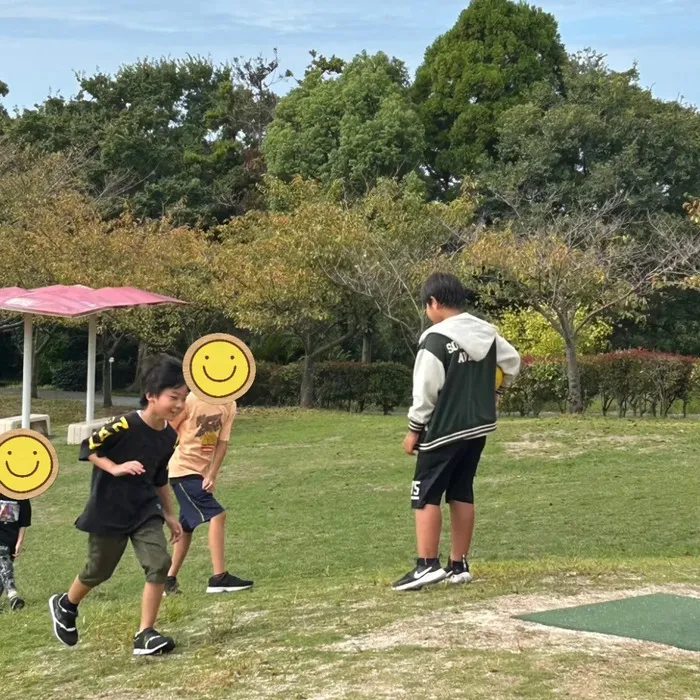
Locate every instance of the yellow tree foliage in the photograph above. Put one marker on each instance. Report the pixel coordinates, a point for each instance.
(270, 268)
(533, 335)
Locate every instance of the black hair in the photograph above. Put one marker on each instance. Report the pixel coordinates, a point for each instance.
(447, 290)
(160, 373)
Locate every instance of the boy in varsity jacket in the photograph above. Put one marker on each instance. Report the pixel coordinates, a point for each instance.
(453, 410)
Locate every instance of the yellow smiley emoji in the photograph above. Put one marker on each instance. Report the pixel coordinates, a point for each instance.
(28, 464)
(219, 368)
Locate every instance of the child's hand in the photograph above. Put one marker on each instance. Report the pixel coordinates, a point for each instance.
(132, 468)
(410, 442)
(175, 528)
(18, 549)
(209, 483)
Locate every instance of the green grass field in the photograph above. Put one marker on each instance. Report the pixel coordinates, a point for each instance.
(568, 511)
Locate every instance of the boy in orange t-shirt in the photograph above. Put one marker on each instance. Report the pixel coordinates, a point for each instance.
(203, 431)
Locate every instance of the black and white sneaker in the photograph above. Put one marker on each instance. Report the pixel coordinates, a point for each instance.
(458, 571)
(171, 586)
(16, 603)
(427, 571)
(226, 583)
(150, 641)
(63, 620)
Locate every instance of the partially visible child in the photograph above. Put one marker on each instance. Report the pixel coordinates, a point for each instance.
(129, 500)
(203, 431)
(15, 518)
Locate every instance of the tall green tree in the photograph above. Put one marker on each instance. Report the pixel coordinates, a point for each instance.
(602, 137)
(356, 127)
(476, 71)
(4, 116)
(179, 137)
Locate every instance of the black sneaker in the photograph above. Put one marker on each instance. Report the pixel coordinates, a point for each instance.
(458, 571)
(63, 621)
(149, 642)
(226, 583)
(427, 571)
(16, 603)
(171, 586)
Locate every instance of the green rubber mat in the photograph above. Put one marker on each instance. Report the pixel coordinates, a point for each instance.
(667, 619)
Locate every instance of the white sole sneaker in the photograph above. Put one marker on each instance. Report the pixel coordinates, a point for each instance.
(465, 577)
(427, 580)
(149, 652)
(227, 589)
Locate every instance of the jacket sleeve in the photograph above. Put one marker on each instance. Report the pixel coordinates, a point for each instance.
(508, 359)
(428, 380)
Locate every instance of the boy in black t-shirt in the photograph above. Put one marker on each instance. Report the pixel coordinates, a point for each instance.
(15, 517)
(129, 500)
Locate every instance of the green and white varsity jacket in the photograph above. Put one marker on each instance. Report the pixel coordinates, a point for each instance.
(454, 380)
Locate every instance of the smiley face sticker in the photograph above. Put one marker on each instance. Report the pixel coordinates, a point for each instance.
(219, 368)
(28, 464)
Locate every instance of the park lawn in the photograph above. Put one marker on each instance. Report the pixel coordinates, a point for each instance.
(568, 510)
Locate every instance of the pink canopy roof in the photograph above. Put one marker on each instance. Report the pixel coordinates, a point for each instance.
(76, 300)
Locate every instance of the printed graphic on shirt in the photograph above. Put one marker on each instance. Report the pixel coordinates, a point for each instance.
(9, 511)
(28, 464)
(112, 427)
(208, 429)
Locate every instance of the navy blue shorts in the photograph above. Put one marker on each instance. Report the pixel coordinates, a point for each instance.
(197, 506)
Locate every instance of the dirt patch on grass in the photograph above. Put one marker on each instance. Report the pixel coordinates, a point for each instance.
(489, 626)
(548, 445)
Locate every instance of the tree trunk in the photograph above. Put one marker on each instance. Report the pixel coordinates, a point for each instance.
(574, 376)
(142, 352)
(367, 347)
(307, 382)
(108, 352)
(39, 344)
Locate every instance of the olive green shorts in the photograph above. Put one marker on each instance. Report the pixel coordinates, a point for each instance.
(106, 551)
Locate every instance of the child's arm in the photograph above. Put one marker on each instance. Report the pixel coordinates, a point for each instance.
(169, 514)
(20, 542)
(25, 520)
(93, 449)
(132, 468)
(428, 380)
(508, 359)
(212, 471)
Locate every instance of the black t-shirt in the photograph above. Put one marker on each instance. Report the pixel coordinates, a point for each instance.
(14, 515)
(121, 504)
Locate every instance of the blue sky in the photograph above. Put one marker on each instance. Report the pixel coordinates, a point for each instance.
(43, 41)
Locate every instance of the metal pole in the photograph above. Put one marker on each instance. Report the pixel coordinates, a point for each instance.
(91, 365)
(27, 372)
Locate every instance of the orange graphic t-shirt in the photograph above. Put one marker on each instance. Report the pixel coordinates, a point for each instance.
(199, 427)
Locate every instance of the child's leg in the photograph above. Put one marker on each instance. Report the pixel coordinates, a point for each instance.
(462, 520)
(104, 553)
(428, 527)
(151, 550)
(180, 550)
(460, 495)
(216, 543)
(7, 572)
(150, 604)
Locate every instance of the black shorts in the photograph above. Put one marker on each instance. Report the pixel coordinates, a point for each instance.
(449, 470)
(197, 506)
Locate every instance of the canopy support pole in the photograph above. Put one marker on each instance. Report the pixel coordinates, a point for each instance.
(27, 372)
(91, 366)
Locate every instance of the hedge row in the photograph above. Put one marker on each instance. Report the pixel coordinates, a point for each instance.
(634, 381)
(347, 385)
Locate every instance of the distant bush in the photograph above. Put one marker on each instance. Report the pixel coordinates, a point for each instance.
(636, 381)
